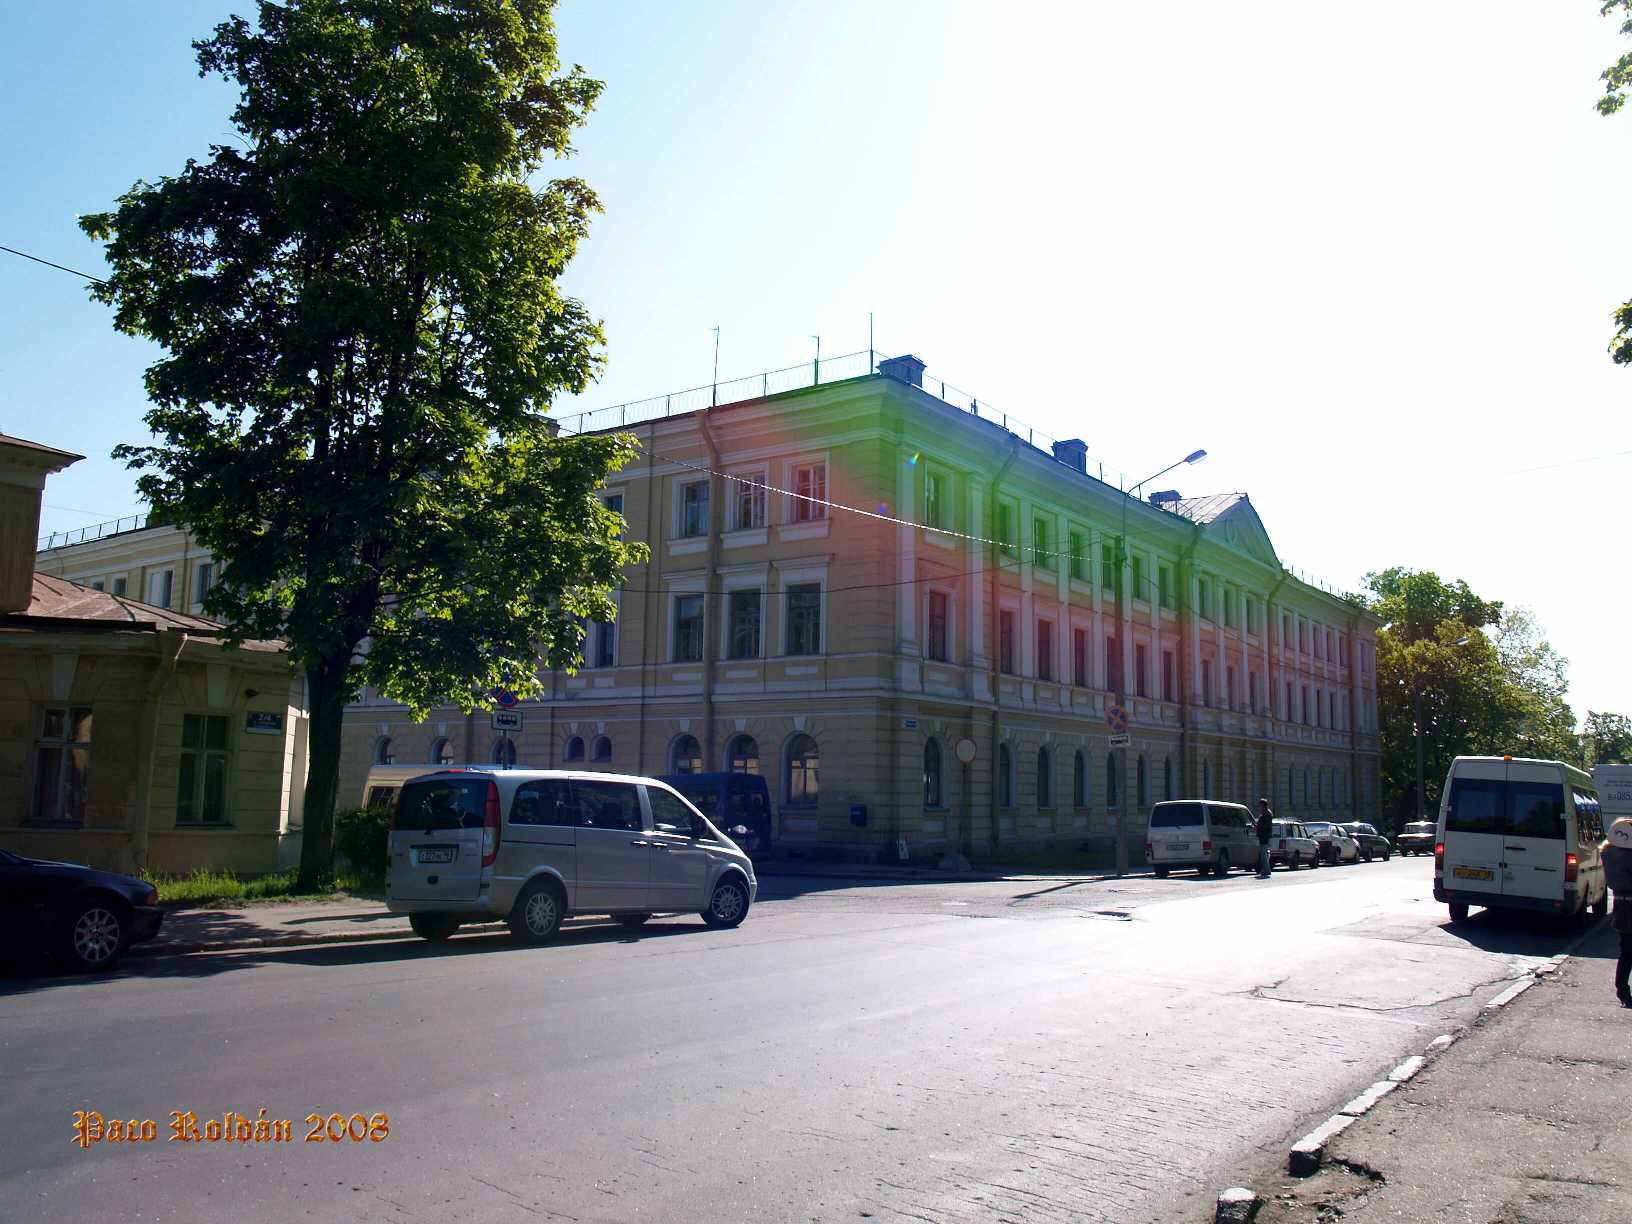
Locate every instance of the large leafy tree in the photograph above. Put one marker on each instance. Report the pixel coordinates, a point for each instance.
(1606, 739)
(1486, 679)
(361, 326)
(1617, 80)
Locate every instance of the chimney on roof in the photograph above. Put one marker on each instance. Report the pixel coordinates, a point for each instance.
(1073, 452)
(1166, 497)
(23, 469)
(906, 368)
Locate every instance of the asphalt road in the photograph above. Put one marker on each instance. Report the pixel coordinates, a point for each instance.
(1034, 1050)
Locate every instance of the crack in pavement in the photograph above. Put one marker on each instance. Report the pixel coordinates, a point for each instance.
(1262, 992)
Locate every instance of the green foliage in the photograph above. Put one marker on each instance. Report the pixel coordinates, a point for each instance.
(1606, 739)
(360, 835)
(1617, 77)
(1487, 680)
(361, 327)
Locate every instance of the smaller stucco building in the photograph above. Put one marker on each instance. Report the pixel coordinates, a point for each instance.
(133, 736)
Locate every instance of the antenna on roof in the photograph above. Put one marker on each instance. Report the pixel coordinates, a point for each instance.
(714, 398)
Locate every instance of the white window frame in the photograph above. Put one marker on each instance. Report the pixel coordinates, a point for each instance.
(673, 589)
(799, 510)
(680, 487)
(753, 482)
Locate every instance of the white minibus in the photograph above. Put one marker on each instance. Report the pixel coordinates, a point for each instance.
(1515, 833)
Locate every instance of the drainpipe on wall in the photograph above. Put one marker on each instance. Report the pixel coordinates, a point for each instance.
(711, 593)
(992, 567)
(164, 668)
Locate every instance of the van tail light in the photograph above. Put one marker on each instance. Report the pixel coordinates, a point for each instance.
(490, 826)
(1439, 858)
(1572, 867)
(1206, 847)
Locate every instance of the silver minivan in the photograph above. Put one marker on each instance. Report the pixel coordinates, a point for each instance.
(1201, 833)
(531, 846)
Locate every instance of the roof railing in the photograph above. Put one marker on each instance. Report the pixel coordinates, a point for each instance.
(97, 531)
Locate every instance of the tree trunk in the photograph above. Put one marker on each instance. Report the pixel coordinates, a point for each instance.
(326, 692)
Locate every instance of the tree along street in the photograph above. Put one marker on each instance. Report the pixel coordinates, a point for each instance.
(1042, 1049)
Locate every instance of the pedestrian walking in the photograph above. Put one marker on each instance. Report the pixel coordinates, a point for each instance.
(1618, 875)
(1266, 830)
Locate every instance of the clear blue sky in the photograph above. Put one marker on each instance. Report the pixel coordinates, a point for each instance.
(1365, 255)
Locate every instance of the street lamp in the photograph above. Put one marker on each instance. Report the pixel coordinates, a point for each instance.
(1124, 793)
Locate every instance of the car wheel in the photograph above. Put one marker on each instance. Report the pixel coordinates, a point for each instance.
(1293, 862)
(1159, 872)
(729, 904)
(538, 912)
(96, 936)
(1459, 911)
(434, 928)
(1365, 856)
(1222, 867)
(1387, 854)
(633, 921)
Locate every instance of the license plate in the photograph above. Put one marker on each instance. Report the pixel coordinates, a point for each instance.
(434, 854)
(1473, 873)
(1178, 845)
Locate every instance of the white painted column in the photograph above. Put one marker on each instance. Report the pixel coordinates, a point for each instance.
(977, 584)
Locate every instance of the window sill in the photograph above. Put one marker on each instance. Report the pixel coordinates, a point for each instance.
(805, 529)
(52, 824)
(199, 826)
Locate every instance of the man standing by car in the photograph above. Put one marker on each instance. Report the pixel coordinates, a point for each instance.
(1266, 830)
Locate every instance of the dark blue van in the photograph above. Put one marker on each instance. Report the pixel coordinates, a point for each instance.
(731, 800)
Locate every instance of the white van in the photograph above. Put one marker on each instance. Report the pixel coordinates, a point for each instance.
(531, 846)
(1515, 833)
(1201, 833)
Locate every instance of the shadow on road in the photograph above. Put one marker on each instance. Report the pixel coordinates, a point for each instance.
(1517, 933)
(25, 978)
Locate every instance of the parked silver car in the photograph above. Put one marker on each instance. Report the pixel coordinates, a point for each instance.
(1337, 844)
(1293, 846)
(531, 846)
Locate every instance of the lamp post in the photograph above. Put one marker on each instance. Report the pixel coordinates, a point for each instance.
(1124, 794)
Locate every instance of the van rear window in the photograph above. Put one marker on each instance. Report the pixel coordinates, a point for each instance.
(1506, 809)
(442, 803)
(1176, 816)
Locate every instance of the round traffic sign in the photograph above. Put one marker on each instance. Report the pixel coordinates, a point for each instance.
(504, 698)
(1116, 718)
(965, 750)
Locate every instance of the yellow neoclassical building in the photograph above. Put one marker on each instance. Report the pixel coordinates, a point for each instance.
(899, 606)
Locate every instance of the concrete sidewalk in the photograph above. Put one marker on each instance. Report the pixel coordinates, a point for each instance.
(1525, 1119)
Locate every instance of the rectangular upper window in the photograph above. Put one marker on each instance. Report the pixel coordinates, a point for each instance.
(939, 610)
(688, 628)
(1005, 642)
(1003, 514)
(694, 508)
(749, 505)
(805, 618)
(1136, 577)
(935, 508)
(1042, 551)
(810, 483)
(1079, 657)
(1079, 557)
(1045, 650)
(744, 611)
(1164, 585)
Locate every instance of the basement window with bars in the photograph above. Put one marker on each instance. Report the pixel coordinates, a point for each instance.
(201, 784)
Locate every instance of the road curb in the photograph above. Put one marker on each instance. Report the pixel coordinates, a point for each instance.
(1307, 1155)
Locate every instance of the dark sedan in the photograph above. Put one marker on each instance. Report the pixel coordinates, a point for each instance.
(64, 909)
(1372, 843)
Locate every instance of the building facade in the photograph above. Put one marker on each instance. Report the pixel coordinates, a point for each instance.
(901, 609)
(903, 614)
(133, 736)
